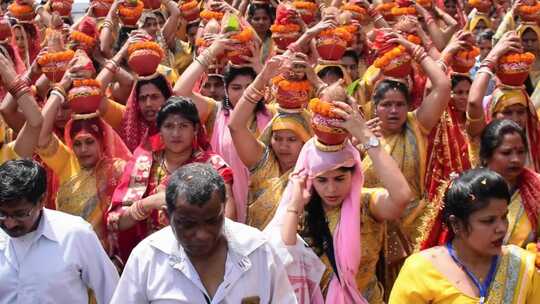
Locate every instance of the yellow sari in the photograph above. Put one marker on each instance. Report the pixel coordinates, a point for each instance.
(517, 281)
(520, 231)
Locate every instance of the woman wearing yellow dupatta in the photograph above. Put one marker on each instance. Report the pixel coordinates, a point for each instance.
(473, 266)
(271, 157)
(404, 138)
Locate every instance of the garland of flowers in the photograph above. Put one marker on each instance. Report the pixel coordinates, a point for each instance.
(61, 56)
(414, 39)
(207, 15)
(527, 58)
(17, 9)
(530, 9)
(285, 28)
(288, 85)
(341, 32)
(145, 45)
(385, 7)
(188, 6)
(478, 4)
(354, 8)
(322, 108)
(86, 83)
(468, 54)
(83, 38)
(424, 3)
(131, 11)
(385, 59)
(310, 6)
(244, 36)
(401, 11)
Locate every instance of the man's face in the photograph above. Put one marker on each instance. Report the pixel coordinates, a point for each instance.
(198, 228)
(21, 217)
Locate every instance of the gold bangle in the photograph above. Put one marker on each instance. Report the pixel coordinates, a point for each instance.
(469, 119)
(292, 210)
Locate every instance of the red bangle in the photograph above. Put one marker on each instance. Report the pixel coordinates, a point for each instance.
(16, 88)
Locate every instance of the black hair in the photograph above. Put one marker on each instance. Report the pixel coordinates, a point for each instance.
(269, 9)
(486, 34)
(159, 81)
(471, 192)
(195, 183)
(22, 179)
(457, 78)
(178, 105)
(493, 135)
(316, 230)
(331, 70)
(386, 85)
(123, 35)
(353, 54)
(229, 75)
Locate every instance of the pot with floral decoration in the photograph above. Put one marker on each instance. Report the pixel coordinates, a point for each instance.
(291, 94)
(285, 30)
(56, 61)
(242, 39)
(22, 11)
(101, 8)
(393, 59)
(403, 7)
(324, 120)
(5, 29)
(513, 68)
(85, 96)
(144, 57)
(211, 11)
(464, 60)
(332, 43)
(85, 35)
(62, 7)
(425, 3)
(529, 12)
(359, 12)
(385, 9)
(152, 4)
(482, 6)
(307, 10)
(130, 11)
(190, 10)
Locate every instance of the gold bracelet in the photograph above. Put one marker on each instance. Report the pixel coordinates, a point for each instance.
(469, 119)
(292, 210)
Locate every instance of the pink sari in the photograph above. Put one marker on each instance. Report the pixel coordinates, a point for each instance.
(222, 144)
(346, 237)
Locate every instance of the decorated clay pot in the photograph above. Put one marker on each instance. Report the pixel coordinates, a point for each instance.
(482, 6)
(399, 67)
(291, 99)
(528, 13)
(331, 47)
(190, 10)
(23, 12)
(101, 8)
(62, 7)
(152, 4)
(85, 96)
(144, 57)
(5, 29)
(130, 12)
(54, 65)
(235, 56)
(282, 41)
(307, 10)
(326, 132)
(514, 68)
(462, 65)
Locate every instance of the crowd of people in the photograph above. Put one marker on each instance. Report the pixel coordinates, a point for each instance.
(295, 151)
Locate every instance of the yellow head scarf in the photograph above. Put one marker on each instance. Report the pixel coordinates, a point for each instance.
(299, 123)
(476, 18)
(505, 97)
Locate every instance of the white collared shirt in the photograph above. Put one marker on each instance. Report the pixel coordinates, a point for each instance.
(62, 260)
(159, 271)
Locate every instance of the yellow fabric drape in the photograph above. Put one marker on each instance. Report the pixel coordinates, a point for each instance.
(520, 231)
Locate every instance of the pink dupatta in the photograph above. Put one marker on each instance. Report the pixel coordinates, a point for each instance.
(223, 145)
(346, 237)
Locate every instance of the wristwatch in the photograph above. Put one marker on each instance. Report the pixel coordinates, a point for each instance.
(373, 142)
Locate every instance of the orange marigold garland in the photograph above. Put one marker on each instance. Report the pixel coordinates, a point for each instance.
(414, 39)
(244, 36)
(83, 38)
(323, 108)
(208, 15)
(424, 3)
(401, 11)
(130, 14)
(288, 85)
(21, 11)
(341, 32)
(306, 5)
(529, 9)
(354, 8)
(188, 5)
(86, 83)
(146, 45)
(285, 28)
(527, 58)
(62, 56)
(385, 59)
(468, 54)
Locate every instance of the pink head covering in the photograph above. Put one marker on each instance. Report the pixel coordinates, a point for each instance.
(315, 162)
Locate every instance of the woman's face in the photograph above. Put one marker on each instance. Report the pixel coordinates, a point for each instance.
(485, 46)
(333, 186)
(177, 133)
(508, 159)
(286, 146)
(450, 7)
(87, 148)
(214, 88)
(516, 113)
(529, 39)
(351, 65)
(19, 37)
(392, 111)
(150, 101)
(62, 116)
(486, 228)
(151, 26)
(261, 22)
(459, 95)
(236, 88)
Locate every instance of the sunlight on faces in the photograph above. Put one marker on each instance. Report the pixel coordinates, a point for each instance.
(485, 229)
(150, 100)
(333, 186)
(509, 158)
(286, 146)
(24, 209)
(460, 94)
(177, 133)
(199, 229)
(237, 86)
(87, 149)
(392, 111)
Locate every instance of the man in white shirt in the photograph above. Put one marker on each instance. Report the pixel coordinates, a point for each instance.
(46, 256)
(202, 257)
